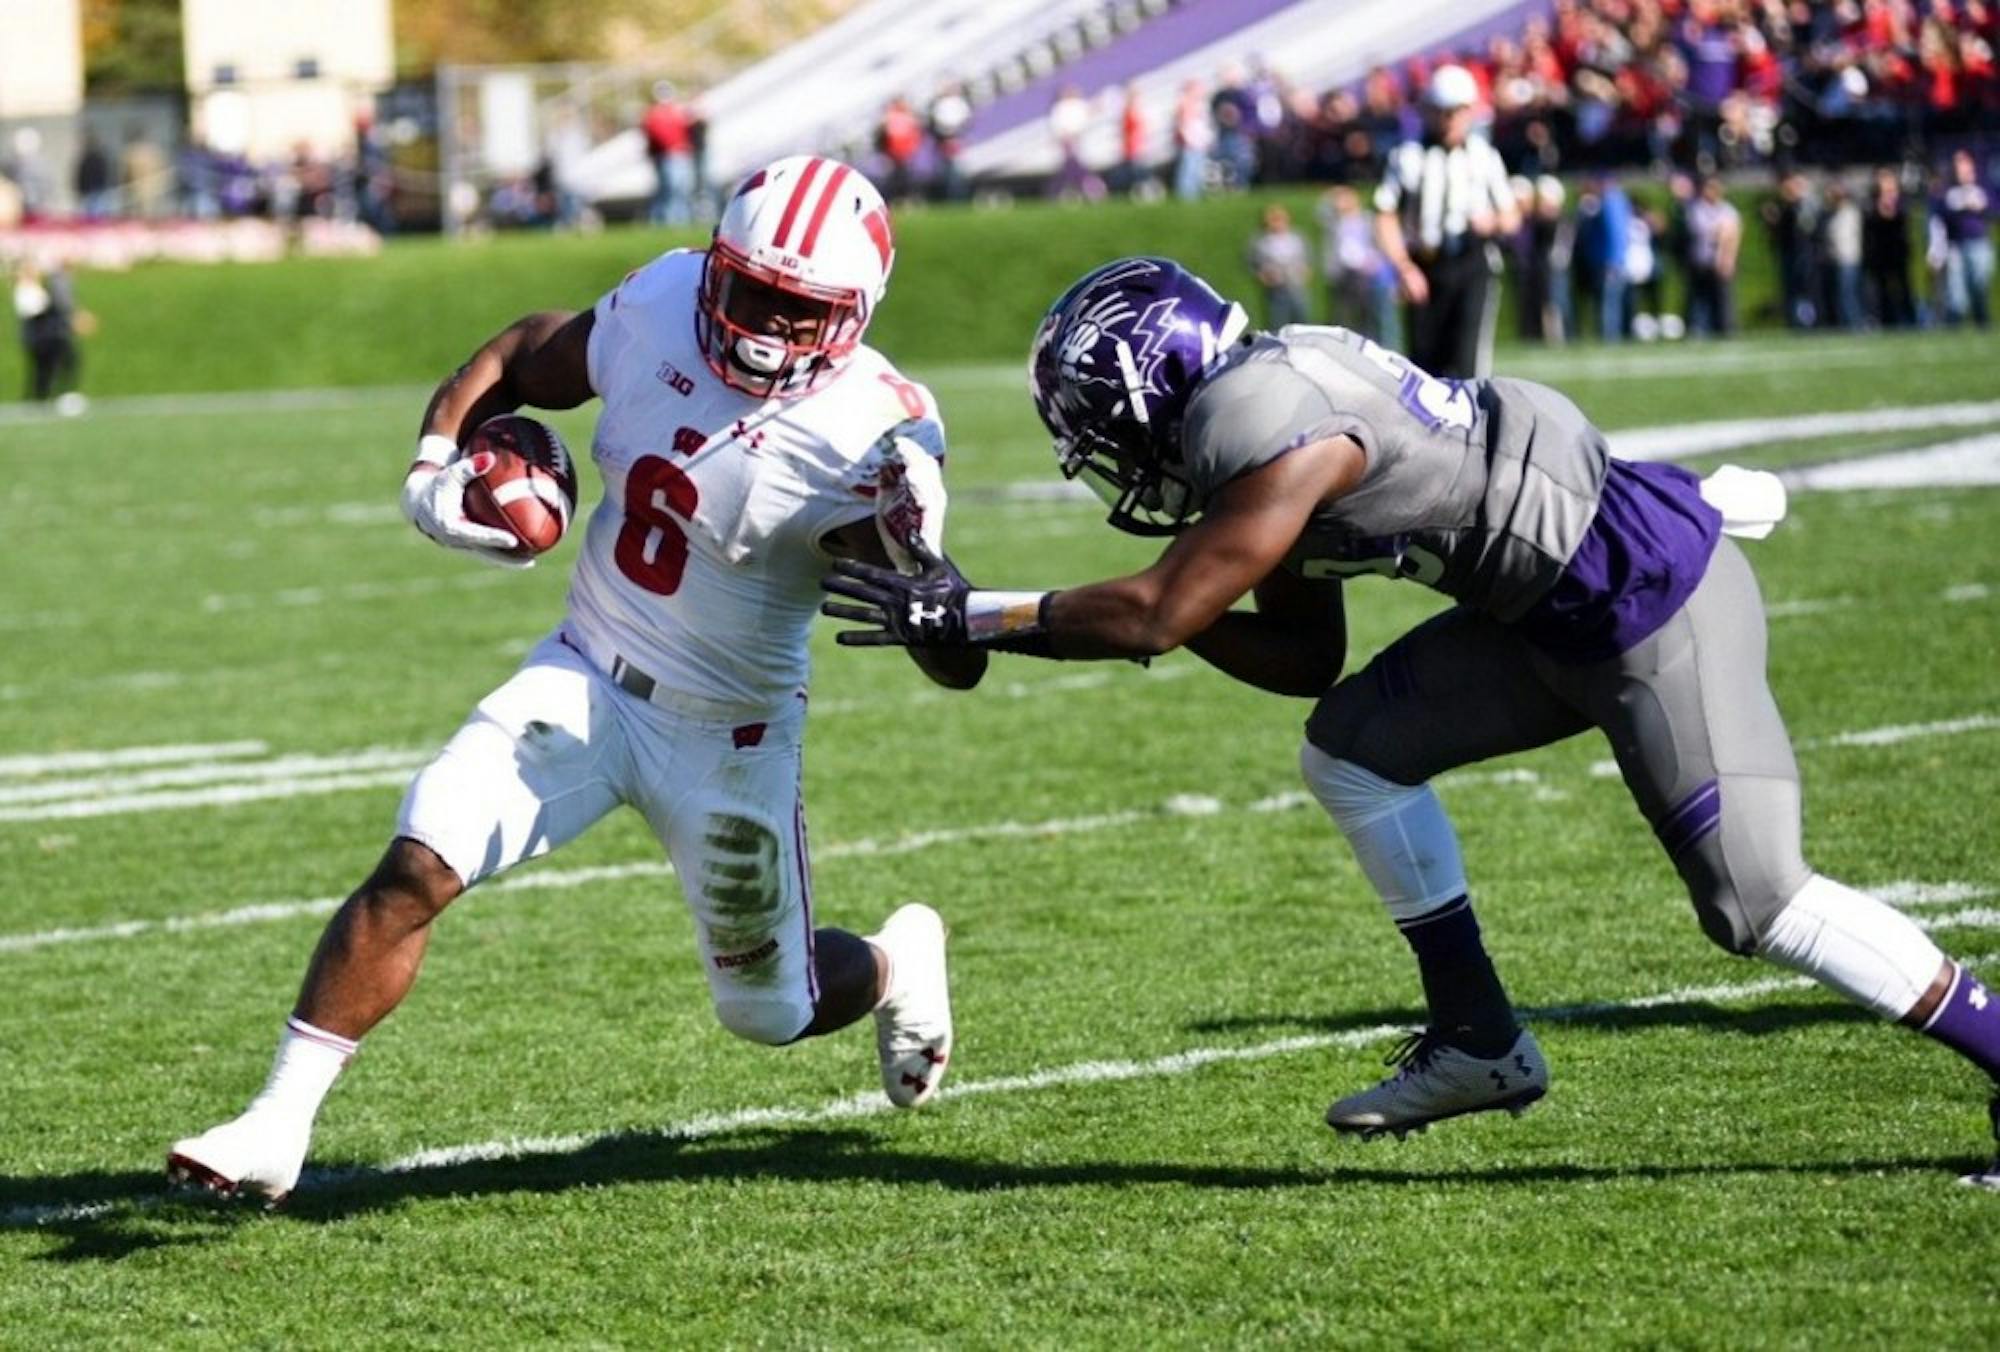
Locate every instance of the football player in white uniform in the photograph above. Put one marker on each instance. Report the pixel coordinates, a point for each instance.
(746, 438)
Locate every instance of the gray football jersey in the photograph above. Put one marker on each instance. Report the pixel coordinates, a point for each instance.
(1481, 489)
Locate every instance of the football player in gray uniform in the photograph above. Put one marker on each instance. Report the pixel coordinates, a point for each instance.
(1590, 592)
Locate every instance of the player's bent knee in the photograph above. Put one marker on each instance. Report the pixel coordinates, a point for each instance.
(1401, 836)
(1727, 922)
(414, 873)
(771, 1022)
(1736, 900)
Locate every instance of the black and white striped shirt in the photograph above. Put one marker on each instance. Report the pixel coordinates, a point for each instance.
(1438, 191)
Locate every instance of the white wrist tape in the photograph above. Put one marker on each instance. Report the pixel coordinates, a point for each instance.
(1003, 614)
(435, 451)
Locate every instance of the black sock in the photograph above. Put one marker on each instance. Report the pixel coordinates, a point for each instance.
(1468, 1006)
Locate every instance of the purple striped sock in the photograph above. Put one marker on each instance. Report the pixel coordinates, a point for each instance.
(1968, 1021)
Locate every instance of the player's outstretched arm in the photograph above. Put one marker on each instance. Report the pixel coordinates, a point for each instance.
(1294, 643)
(1249, 527)
(1238, 544)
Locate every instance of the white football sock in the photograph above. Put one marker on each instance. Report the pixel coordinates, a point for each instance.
(309, 1060)
(1848, 941)
(1401, 836)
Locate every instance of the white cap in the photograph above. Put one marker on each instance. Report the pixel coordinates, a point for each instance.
(1452, 87)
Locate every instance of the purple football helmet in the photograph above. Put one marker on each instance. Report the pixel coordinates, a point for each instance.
(1113, 366)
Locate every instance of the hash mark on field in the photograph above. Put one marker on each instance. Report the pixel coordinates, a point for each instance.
(1786, 610)
(871, 1104)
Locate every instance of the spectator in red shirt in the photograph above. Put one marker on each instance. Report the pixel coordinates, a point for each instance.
(899, 138)
(665, 125)
(1133, 134)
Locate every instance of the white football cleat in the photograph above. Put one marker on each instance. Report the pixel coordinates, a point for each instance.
(913, 1024)
(1436, 1080)
(259, 1154)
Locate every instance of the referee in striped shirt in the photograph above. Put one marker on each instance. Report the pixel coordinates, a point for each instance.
(1440, 213)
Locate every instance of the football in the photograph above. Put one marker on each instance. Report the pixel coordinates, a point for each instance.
(529, 490)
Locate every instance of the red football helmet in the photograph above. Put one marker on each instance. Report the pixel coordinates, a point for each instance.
(799, 259)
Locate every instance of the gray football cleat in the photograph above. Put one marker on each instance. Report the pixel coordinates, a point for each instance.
(1435, 1080)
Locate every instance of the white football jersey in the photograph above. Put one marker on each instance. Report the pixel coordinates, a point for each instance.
(701, 566)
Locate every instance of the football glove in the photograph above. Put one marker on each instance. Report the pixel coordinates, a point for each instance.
(434, 502)
(934, 608)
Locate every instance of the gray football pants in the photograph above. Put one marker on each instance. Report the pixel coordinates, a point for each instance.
(1697, 735)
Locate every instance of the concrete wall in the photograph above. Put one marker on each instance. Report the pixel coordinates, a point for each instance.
(246, 86)
(41, 58)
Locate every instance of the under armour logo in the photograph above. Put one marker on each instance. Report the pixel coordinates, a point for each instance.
(1499, 1080)
(1977, 996)
(923, 614)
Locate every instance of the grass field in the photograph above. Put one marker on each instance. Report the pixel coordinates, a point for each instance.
(1165, 965)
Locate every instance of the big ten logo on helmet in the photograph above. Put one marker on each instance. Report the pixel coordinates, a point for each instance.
(671, 376)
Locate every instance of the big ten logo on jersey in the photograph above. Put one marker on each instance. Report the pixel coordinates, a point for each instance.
(1329, 559)
(675, 379)
(1435, 403)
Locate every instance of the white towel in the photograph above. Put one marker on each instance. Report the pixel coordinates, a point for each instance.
(1752, 501)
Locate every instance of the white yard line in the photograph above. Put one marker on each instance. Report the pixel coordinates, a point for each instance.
(281, 768)
(1972, 917)
(227, 795)
(1967, 463)
(1912, 895)
(1083, 1073)
(1677, 441)
(1792, 610)
(57, 762)
(1905, 732)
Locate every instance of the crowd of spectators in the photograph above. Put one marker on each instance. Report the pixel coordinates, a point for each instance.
(1851, 252)
(140, 180)
(1702, 85)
